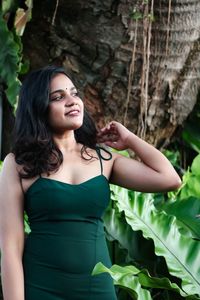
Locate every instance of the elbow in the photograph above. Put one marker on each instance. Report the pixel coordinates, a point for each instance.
(175, 183)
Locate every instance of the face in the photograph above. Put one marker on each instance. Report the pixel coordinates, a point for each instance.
(65, 111)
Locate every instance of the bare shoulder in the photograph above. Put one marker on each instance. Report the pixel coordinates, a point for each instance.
(10, 158)
(10, 168)
(9, 162)
(10, 185)
(11, 207)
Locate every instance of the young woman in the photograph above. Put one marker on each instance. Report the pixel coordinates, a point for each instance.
(59, 175)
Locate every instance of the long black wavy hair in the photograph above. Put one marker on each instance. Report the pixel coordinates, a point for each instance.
(33, 145)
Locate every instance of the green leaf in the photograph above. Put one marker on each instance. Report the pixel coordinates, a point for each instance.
(187, 211)
(10, 57)
(196, 166)
(22, 17)
(191, 187)
(134, 279)
(117, 229)
(26, 223)
(191, 181)
(137, 15)
(182, 254)
(191, 134)
(124, 277)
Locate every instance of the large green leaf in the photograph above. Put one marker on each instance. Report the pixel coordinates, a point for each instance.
(10, 58)
(117, 229)
(187, 211)
(124, 277)
(134, 279)
(182, 254)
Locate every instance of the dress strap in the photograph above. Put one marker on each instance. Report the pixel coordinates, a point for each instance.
(100, 159)
(98, 150)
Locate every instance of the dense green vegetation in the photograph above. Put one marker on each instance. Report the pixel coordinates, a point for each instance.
(168, 268)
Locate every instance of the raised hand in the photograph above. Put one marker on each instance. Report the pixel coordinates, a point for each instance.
(153, 173)
(114, 135)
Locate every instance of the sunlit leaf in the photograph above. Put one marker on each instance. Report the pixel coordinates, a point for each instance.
(195, 168)
(136, 280)
(124, 277)
(182, 254)
(22, 17)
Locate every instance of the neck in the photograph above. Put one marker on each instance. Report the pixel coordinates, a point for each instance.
(65, 141)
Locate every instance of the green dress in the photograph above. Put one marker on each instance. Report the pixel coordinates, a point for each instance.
(67, 239)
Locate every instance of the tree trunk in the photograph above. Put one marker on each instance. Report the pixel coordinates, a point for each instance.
(142, 72)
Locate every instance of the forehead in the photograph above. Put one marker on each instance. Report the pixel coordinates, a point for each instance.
(60, 81)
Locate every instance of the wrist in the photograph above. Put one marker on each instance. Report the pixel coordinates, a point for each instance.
(129, 140)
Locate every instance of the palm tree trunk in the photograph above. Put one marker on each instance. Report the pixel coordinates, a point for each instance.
(143, 72)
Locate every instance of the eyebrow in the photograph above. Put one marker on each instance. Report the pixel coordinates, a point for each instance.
(60, 90)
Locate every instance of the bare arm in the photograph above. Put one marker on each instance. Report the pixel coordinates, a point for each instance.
(154, 173)
(11, 231)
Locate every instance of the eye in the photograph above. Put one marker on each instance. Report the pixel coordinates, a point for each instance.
(57, 98)
(75, 94)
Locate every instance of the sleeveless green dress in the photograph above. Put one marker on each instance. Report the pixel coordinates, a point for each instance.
(67, 239)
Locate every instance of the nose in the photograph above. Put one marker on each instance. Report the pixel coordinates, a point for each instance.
(70, 101)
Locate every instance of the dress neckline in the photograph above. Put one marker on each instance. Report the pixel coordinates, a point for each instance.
(65, 183)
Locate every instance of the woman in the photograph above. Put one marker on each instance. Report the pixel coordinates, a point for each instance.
(59, 175)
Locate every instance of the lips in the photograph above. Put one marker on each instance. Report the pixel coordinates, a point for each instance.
(72, 112)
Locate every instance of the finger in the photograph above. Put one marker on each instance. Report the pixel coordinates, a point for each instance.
(111, 144)
(111, 138)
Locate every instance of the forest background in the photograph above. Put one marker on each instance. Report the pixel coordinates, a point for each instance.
(137, 62)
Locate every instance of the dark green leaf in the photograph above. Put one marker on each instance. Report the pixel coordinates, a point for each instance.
(10, 57)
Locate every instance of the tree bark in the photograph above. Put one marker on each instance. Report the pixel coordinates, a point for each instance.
(143, 73)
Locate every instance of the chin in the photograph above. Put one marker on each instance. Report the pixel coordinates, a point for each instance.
(76, 125)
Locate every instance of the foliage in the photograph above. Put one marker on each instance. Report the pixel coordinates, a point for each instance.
(191, 131)
(192, 180)
(10, 59)
(172, 222)
(26, 224)
(11, 63)
(136, 281)
(138, 12)
(187, 213)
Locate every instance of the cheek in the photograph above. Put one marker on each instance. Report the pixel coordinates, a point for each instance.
(53, 116)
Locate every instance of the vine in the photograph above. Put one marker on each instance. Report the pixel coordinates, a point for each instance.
(142, 13)
(55, 12)
(145, 72)
(168, 27)
(131, 72)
